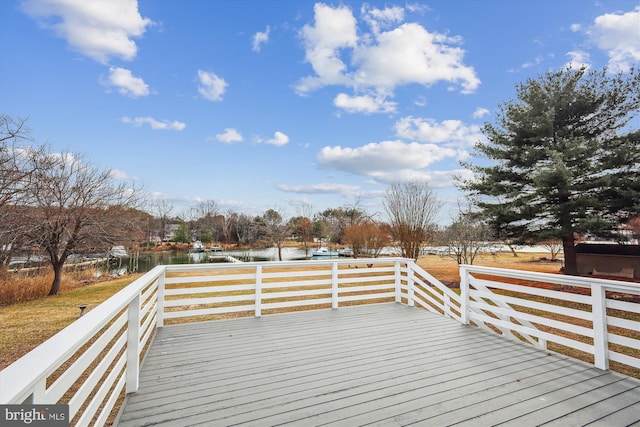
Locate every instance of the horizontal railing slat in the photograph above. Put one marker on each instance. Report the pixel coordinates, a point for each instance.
(208, 311)
(530, 290)
(576, 329)
(533, 332)
(204, 279)
(632, 325)
(632, 343)
(209, 300)
(380, 295)
(297, 284)
(624, 358)
(624, 305)
(209, 289)
(575, 281)
(290, 304)
(578, 314)
(366, 288)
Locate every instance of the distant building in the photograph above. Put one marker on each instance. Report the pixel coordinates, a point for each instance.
(610, 260)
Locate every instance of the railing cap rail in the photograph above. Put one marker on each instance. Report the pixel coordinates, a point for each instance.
(578, 281)
(17, 379)
(233, 266)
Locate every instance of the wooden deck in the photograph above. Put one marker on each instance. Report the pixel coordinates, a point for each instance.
(384, 364)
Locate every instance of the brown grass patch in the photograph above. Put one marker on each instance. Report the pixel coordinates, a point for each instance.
(446, 269)
(20, 287)
(23, 326)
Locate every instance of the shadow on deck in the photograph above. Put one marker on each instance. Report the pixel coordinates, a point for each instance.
(384, 364)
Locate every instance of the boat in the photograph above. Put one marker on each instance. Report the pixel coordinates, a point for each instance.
(197, 246)
(346, 252)
(324, 251)
(216, 248)
(117, 252)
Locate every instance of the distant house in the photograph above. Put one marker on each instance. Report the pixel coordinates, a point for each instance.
(609, 260)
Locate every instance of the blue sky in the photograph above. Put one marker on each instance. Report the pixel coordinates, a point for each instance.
(281, 104)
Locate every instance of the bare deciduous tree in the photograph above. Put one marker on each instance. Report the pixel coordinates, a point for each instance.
(412, 208)
(162, 209)
(15, 176)
(73, 206)
(554, 246)
(466, 236)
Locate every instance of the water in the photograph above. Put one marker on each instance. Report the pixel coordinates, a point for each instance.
(144, 261)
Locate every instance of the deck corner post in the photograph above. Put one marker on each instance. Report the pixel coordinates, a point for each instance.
(464, 295)
(398, 281)
(258, 303)
(334, 285)
(600, 340)
(160, 302)
(133, 345)
(410, 284)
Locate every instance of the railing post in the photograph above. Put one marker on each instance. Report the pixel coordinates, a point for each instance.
(464, 295)
(258, 311)
(334, 285)
(160, 302)
(398, 281)
(133, 345)
(599, 311)
(446, 305)
(410, 274)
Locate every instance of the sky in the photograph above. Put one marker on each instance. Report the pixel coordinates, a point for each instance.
(289, 105)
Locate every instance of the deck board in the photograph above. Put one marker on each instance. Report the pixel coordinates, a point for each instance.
(384, 364)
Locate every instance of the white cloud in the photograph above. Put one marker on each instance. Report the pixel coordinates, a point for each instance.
(578, 59)
(450, 132)
(536, 61)
(381, 18)
(127, 83)
(363, 104)
(436, 179)
(383, 59)
(383, 158)
(279, 139)
(229, 136)
(619, 36)
(99, 29)
(260, 38)
(321, 188)
(211, 86)
(334, 29)
(122, 175)
(154, 124)
(480, 113)
(411, 54)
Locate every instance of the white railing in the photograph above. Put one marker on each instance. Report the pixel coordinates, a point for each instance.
(592, 316)
(88, 364)
(92, 363)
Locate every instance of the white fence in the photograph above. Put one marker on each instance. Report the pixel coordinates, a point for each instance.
(594, 316)
(92, 363)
